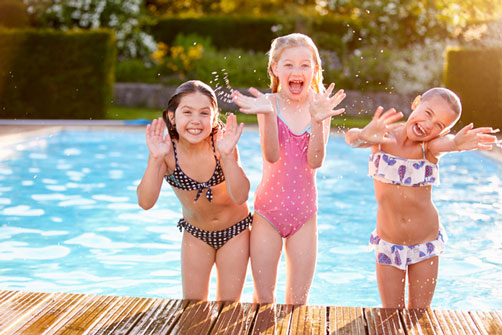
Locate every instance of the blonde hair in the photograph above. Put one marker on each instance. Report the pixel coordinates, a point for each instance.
(290, 41)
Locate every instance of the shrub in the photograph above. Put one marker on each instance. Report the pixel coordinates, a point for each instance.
(13, 14)
(476, 76)
(35, 82)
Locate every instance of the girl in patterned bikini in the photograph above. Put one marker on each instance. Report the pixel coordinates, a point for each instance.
(409, 237)
(199, 159)
(294, 124)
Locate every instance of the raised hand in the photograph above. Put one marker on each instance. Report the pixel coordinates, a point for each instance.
(228, 137)
(470, 138)
(158, 144)
(259, 103)
(322, 106)
(377, 131)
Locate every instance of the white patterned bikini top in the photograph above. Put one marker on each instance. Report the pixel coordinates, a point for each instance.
(392, 169)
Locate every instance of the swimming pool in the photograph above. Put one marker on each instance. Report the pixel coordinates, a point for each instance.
(69, 222)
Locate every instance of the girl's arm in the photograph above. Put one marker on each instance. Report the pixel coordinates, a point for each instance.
(375, 132)
(226, 144)
(261, 105)
(468, 138)
(321, 111)
(159, 146)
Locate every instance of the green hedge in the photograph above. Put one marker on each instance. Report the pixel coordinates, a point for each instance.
(13, 14)
(55, 75)
(476, 76)
(256, 33)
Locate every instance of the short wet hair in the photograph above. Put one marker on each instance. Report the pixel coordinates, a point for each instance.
(448, 95)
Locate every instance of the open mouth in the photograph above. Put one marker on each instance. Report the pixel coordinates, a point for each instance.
(295, 86)
(418, 130)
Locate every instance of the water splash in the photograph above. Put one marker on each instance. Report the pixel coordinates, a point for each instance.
(223, 89)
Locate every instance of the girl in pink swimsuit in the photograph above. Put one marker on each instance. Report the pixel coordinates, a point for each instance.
(409, 238)
(294, 124)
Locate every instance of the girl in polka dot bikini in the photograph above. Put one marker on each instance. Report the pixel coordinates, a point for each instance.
(294, 124)
(199, 159)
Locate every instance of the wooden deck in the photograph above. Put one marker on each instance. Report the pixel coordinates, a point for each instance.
(74, 314)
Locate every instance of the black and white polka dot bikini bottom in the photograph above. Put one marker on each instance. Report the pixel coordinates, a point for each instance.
(218, 238)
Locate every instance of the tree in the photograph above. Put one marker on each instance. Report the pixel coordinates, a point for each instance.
(123, 16)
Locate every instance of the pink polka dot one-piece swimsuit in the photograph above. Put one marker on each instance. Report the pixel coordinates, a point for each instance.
(286, 195)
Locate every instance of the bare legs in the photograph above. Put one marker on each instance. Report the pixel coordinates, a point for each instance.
(422, 278)
(300, 252)
(198, 258)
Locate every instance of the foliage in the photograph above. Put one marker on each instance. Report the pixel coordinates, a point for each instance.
(35, 84)
(179, 58)
(123, 16)
(476, 76)
(417, 68)
(13, 14)
(136, 70)
(226, 32)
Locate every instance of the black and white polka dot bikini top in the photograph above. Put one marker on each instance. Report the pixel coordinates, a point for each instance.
(180, 180)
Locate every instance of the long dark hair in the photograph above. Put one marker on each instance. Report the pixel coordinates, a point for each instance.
(191, 86)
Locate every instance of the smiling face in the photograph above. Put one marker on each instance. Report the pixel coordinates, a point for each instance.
(194, 117)
(295, 69)
(430, 118)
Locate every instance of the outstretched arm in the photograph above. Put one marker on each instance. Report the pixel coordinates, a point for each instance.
(375, 132)
(159, 146)
(468, 138)
(226, 144)
(261, 105)
(322, 108)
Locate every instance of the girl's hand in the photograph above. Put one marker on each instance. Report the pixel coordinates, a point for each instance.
(322, 105)
(377, 131)
(227, 138)
(158, 145)
(259, 104)
(469, 139)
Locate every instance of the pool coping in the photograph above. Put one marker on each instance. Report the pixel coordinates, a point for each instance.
(16, 130)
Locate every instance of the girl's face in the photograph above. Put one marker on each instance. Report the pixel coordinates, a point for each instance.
(431, 118)
(194, 117)
(295, 69)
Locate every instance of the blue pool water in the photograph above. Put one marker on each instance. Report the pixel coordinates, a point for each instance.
(69, 222)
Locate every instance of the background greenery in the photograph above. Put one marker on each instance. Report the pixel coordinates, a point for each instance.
(386, 45)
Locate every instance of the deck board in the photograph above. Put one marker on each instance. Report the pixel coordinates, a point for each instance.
(235, 318)
(31, 313)
(384, 321)
(421, 322)
(197, 318)
(346, 320)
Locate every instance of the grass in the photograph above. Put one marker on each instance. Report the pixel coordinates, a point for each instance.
(128, 113)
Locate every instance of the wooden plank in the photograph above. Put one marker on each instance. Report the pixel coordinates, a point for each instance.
(161, 319)
(346, 321)
(84, 315)
(197, 318)
(455, 322)
(48, 313)
(235, 318)
(421, 321)
(20, 307)
(488, 323)
(273, 319)
(122, 317)
(6, 296)
(383, 321)
(309, 320)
